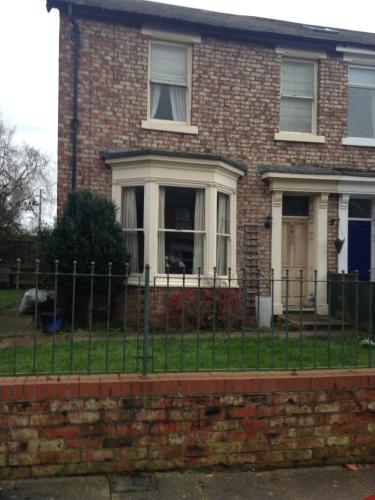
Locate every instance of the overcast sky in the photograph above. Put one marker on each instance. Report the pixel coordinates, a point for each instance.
(29, 52)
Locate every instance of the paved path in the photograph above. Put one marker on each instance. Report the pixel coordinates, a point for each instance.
(329, 483)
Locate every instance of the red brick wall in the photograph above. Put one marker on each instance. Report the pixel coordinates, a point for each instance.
(235, 104)
(78, 425)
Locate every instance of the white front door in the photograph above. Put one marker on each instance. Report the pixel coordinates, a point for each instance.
(295, 260)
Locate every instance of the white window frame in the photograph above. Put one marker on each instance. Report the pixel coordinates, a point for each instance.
(306, 56)
(370, 219)
(133, 230)
(313, 99)
(186, 231)
(359, 141)
(171, 125)
(227, 236)
(364, 58)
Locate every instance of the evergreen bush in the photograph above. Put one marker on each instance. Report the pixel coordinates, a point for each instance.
(87, 231)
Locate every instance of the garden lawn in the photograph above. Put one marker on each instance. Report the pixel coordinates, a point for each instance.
(8, 298)
(185, 354)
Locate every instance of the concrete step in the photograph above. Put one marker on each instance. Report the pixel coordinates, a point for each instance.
(310, 321)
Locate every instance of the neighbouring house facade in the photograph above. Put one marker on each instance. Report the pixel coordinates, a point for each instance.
(227, 142)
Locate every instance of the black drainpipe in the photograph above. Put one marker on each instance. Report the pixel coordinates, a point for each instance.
(76, 43)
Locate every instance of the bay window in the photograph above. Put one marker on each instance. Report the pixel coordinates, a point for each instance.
(178, 214)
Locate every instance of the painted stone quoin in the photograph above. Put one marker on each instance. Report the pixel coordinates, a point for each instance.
(226, 141)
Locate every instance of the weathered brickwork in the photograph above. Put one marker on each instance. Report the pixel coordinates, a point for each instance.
(235, 104)
(72, 425)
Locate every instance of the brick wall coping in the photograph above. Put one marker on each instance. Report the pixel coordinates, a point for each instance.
(31, 388)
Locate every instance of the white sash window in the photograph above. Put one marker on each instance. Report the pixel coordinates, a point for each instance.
(181, 230)
(361, 111)
(169, 85)
(132, 224)
(298, 96)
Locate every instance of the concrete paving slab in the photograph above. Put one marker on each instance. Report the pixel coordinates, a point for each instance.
(324, 484)
(72, 488)
(328, 483)
(145, 495)
(366, 477)
(243, 485)
(132, 483)
(182, 486)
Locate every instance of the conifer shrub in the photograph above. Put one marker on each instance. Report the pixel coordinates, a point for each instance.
(87, 232)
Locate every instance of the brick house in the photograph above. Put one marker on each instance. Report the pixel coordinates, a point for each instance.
(226, 141)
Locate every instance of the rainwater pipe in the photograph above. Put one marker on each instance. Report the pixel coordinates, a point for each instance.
(74, 123)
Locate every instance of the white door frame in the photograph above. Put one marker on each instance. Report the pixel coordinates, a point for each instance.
(319, 250)
(319, 185)
(344, 199)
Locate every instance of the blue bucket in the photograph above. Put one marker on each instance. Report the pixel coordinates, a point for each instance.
(47, 322)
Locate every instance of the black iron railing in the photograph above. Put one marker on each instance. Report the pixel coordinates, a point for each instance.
(90, 322)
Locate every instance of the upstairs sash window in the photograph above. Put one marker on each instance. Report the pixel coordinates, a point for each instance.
(169, 82)
(298, 96)
(361, 111)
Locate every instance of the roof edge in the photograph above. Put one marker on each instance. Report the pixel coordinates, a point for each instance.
(313, 170)
(114, 154)
(215, 28)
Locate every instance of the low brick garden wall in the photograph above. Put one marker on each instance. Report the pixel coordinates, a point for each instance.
(77, 425)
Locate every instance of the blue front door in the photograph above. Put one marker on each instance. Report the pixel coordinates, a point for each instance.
(359, 248)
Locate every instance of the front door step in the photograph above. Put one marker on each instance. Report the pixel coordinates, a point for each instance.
(310, 321)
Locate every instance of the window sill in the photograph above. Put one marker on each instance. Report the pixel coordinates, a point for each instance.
(169, 127)
(299, 137)
(191, 281)
(358, 141)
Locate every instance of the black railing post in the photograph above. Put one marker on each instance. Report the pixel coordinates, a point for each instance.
(73, 314)
(54, 315)
(109, 298)
(17, 315)
(229, 340)
(166, 336)
(183, 305)
(91, 306)
(342, 317)
(146, 318)
(329, 294)
(213, 361)
(244, 309)
(36, 312)
(370, 341)
(257, 319)
(287, 320)
(272, 317)
(356, 317)
(301, 318)
(125, 319)
(138, 323)
(197, 360)
(153, 320)
(315, 316)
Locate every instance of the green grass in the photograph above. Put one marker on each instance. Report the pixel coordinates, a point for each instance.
(8, 298)
(172, 355)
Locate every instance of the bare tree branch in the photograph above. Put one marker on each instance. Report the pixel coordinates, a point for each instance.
(24, 170)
